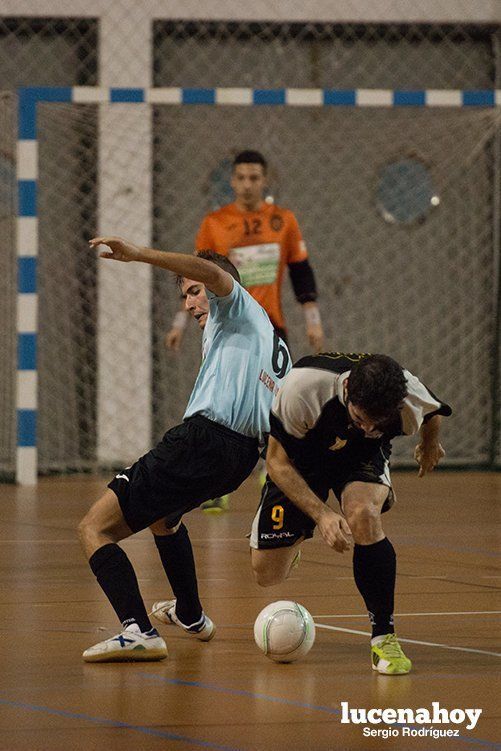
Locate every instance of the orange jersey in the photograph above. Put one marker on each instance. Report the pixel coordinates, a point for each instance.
(260, 244)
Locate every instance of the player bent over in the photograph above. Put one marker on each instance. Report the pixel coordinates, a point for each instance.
(331, 429)
(211, 453)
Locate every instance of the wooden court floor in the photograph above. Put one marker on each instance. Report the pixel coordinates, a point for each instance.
(225, 695)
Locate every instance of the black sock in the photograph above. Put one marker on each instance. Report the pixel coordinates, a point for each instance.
(374, 567)
(177, 559)
(118, 580)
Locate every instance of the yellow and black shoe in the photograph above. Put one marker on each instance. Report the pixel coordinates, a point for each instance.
(216, 505)
(388, 657)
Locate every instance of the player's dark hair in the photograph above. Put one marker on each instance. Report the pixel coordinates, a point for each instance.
(222, 261)
(251, 157)
(377, 385)
(219, 260)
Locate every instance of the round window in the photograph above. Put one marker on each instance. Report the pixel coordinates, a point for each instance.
(405, 191)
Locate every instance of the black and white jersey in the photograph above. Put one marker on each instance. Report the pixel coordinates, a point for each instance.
(309, 414)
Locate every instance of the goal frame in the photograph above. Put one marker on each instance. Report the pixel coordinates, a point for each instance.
(27, 242)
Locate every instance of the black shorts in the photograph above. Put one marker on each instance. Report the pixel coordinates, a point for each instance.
(194, 462)
(279, 523)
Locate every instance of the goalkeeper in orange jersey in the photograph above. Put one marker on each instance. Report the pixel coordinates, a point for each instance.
(261, 240)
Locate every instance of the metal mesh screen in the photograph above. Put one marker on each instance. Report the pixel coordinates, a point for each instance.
(421, 291)
(325, 55)
(7, 280)
(47, 52)
(67, 286)
(389, 287)
(416, 281)
(43, 52)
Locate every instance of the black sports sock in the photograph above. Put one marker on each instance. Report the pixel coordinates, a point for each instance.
(118, 580)
(374, 567)
(177, 559)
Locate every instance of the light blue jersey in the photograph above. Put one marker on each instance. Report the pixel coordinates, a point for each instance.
(244, 362)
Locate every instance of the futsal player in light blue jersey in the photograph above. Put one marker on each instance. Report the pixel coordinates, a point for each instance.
(238, 358)
(210, 454)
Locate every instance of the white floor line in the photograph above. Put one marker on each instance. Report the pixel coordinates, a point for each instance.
(448, 576)
(412, 641)
(69, 541)
(402, 615)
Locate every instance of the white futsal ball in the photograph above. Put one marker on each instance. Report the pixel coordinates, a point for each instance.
(284, 631)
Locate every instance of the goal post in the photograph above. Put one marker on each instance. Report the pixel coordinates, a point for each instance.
(122, 419)
(396, 195)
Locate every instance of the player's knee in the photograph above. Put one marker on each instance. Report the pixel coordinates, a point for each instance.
(267, 578)
(160, 528)
(85, 529)
(363, 517)
(90, 527)
(266, 575)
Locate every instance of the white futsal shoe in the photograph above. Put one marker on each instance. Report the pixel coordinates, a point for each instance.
(165, 611)
(129, 646)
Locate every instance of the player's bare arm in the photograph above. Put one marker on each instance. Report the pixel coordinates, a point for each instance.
(214, 278)
(333, 527)
(314, 329)
(429, 450)
(174, 336)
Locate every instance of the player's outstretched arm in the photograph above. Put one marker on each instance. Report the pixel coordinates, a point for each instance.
(190, 267)
(429, 450)
(333, 527)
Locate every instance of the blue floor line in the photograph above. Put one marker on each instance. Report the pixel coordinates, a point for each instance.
(115, 724)
(293, 703)
(242, 692)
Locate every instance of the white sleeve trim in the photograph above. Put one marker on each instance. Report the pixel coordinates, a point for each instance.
(301, 398)
(417, 404)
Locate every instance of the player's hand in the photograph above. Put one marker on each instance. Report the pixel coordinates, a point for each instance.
(315, 334)
(173, 339)
(118, 249)
(428, 456)
(334, 529)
